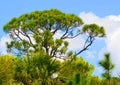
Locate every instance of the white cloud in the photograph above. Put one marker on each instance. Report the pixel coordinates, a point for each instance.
(3, 41)
(111, 24)
(114, 18)
(75, 43)
(90, 54)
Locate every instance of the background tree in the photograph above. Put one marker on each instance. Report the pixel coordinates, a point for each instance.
(37, 30)
(21, 72)
(108, 66)
(35, 69)
(76, 71)
(6, 69)
(43, 68)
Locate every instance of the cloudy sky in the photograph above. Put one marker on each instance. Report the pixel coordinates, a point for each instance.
(102, 12)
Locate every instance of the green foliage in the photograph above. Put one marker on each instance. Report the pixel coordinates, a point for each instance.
(94, 30)
(43, 19)
(45, 66)
(72, 69)
(33, 39)
(37, 30)
(6, 68)
(108, 66)
(39, 69)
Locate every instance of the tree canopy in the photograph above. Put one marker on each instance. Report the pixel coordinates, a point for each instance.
(37, 30)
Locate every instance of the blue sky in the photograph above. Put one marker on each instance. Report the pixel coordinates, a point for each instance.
(96, 11)
(13, 8)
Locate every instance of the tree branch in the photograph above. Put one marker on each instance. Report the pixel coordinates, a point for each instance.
(67, 37)
(29, 38)
(57, 28)
(62, 37)
(90, 39)
(54, 53)
(26, 35)
(17, 34)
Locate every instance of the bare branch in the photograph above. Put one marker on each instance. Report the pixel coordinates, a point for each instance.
(26, 35)
(71, 37)
(54, 52)
(89, 40)
(62, 37)
(57, 28)
(17, 34)
(29, 38)
(86, 42)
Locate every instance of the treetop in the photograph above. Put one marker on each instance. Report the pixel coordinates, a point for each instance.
(47, 19)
